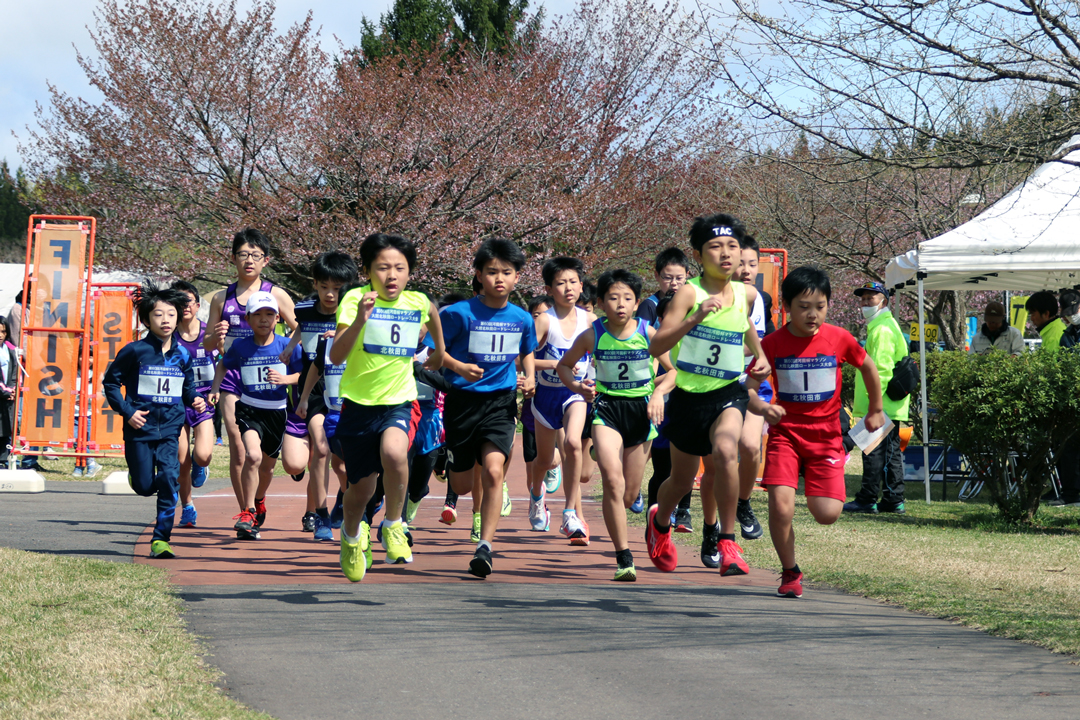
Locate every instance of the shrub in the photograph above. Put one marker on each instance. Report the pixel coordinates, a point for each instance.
(990, 406)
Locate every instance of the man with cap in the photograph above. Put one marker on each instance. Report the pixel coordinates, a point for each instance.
(883, 468)
(996, 333)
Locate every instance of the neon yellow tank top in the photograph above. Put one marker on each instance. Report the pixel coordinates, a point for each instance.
(710, 356)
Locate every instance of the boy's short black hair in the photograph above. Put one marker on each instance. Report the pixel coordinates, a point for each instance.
(477, 286)
(148, 295)
(588, 294)
(451, 298)
(619, 275)
(805, 279)
(250, 236)
(333, 266)
(662, 306)
(498, 248)
(377, 242)
(540, 300)
(185, 287)
(706, 227)
(1042, 301)
(672, 256)
(749, 243)
(556, 265)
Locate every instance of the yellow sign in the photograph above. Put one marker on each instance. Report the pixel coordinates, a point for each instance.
(931, 334)
(1017, 312)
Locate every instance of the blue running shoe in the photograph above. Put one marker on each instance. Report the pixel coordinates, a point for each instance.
(322, 529)
(638, 506)
(337, 515)
(198, 475)
(188, 517)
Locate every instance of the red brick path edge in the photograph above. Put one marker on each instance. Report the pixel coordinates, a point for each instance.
(210, 554)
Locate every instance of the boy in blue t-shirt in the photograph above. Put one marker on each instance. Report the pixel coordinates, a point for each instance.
(260, 412)
(484, 336)
(156, 380)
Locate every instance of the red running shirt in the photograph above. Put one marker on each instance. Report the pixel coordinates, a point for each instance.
(806, 370)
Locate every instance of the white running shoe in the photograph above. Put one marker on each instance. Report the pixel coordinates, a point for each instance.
(553, 479)
(571, 525)
(539, 515)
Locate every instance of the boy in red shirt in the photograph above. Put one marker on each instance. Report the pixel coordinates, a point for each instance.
(804, 434)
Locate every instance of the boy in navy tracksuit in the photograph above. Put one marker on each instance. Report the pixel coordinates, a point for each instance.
(156, 376)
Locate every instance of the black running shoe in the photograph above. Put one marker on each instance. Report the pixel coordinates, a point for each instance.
(710, 555)
(748, 522)
(245, 527)
(683, 523)
(307, 524)
(299, 477)
(260, 511)
(480, 565)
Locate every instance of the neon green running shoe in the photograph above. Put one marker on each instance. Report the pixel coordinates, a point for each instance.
(396, 544)
(626, 574)
(474, 534)
(365, 544)
(411, 509)
(505, 512)
(352, 559)
(160, 550)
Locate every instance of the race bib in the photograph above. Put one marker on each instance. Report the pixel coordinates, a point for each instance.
(392, 332)
(332, 386)
(711, 352)
(494, 342)
(806, 379)
(310, 334)
(424, 392)
(255, 373)
(623, 369)
(551, 377)
(161, 384)
(203, 369)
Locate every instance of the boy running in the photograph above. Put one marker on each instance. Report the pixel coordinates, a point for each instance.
(195, 451)
(157, 383)
(484, 338)
(709, 322)
(555, 407)
(625, 398)
(378, 329)
(227, 322)
(804, 437)
(316, 320)
(261, 410)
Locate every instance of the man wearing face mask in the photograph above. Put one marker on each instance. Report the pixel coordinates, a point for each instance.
(1070, 313)
(996, 333)
(883, 468)
(1068, 457)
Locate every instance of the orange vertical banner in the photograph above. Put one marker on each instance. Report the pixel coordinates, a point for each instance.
(113, 328)
(54, 330)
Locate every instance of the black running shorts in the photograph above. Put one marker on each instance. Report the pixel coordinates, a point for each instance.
(472, 419)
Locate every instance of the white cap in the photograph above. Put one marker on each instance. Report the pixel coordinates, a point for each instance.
(261, 300)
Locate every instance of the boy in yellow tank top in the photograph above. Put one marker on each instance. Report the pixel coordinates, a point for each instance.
(706, 328)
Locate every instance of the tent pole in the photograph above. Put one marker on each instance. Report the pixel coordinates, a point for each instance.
(922, 393)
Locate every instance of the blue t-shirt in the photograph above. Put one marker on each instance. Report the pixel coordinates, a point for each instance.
(254, 363)
(492, 339)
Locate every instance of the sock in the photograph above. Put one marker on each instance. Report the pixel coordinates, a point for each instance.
(484, 543)
(794, 569)
(536, 498)
(349, 538)
(727, 536)
(390, 524)
(323, 513)
(190, 504)
(624, 558)
(744, 502)
(715, 527)
(340, 497)
(660, 528)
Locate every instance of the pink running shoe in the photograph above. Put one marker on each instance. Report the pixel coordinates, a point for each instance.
(662, 551)
(790, 584)
(731, 559)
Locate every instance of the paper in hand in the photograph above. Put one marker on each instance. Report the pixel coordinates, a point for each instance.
(867, 440)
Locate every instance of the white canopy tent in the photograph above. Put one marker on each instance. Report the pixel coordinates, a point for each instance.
(1027, 240)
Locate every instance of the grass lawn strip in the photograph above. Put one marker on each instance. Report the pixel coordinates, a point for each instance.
(953, 560)
(93, 639)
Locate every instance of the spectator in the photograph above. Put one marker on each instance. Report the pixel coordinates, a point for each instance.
(9, 375)
(996, 333)
(883, 467)
(14, 321)
(1042, 308)
(1068, 456)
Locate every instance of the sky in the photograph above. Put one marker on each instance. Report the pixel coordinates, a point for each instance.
(41, 38)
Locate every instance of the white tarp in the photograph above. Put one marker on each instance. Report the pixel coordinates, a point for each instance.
(1028, 240)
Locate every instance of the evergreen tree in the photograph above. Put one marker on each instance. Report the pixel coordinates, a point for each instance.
(13, 213)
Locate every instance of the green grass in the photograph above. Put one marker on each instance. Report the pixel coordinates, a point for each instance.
(93, 639)
(955, 560)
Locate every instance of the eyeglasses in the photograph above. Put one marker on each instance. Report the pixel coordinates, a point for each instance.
(244, 255)
(673, 278)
